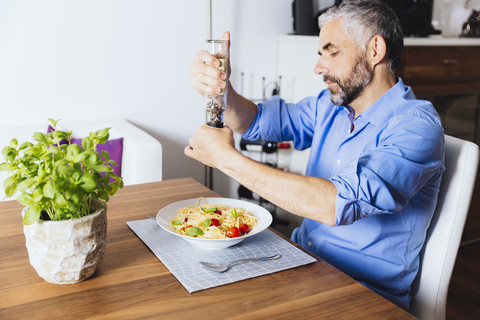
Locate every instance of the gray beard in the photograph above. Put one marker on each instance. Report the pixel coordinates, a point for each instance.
(350, 88)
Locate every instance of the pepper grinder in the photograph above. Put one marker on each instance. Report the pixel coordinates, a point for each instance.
(215, 105)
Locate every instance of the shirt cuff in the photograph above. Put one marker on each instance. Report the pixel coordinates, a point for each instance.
(348, 209)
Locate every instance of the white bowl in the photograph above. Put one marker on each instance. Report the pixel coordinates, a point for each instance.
(170, 212)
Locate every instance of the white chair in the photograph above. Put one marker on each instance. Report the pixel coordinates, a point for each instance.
(437, 258)
(141, 156)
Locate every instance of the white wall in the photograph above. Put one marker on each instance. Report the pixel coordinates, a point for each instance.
(130, 58)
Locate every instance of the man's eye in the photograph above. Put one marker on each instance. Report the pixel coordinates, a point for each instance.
(334, 53)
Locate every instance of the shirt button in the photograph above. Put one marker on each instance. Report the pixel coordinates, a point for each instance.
(338, 162)
(309, 243)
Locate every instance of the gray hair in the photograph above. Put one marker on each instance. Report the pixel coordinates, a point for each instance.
(364, 19)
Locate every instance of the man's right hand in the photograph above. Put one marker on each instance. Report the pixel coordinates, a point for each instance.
(208, 79)
(205, 76)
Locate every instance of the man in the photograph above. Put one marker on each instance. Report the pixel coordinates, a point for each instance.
(376, 158)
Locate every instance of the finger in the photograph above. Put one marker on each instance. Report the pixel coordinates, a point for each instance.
(207, 70)
(200, 67)
(188, 151)
(206, 79)
(228, 129)
(205, 57)
(226, 36)
(208, 85)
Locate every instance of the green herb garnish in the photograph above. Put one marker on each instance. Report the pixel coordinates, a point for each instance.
(178, 222)
(206, 223)
(193, 231)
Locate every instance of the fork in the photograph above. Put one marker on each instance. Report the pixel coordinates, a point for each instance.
(224, 267)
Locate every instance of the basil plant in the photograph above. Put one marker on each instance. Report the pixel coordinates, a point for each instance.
(56, 179)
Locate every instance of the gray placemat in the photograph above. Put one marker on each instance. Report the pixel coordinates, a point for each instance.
(182, 258)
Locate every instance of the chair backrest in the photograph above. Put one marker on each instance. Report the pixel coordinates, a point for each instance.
(437, 258)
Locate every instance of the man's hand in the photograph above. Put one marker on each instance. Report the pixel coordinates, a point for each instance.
(205, 76)
(212, 146)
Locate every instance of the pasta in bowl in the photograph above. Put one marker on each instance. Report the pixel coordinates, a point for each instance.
(214, 223)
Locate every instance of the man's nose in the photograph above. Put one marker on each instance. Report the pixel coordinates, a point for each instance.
(321, 68)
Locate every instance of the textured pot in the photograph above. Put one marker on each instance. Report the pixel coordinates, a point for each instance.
(67, 251)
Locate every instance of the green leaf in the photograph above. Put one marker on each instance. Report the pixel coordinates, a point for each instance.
(88, 182)
(9, 153)
(101, 168)
(193, 231)
(104, 195)
(178, 221)
(207, 210)
(13, 143)
(26, 184)
(32, 214)
(25, 199)
(105, 155)
(74, 194)
(61, 183)
(25, 145)
(35, 150)
(234, 213)
(72, 151)
(59, 136)
(113, 163)
(49, 190)
(76, 175)
(37, 194)
(54, 150)
(40, 137)
(92, 159)
(64, 169)
(5, 150)
(87, 143)
(53, 122)
(113, 189)
(60, 201)
(206, 223)
(102, 135)
(81, 157)
(10, 182)
(3, 166)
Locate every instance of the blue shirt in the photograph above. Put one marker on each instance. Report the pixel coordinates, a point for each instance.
(387, 172)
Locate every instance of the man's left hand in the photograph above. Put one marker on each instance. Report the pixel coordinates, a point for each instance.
(211, 146)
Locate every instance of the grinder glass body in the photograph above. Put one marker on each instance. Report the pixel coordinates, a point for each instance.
(215, 105)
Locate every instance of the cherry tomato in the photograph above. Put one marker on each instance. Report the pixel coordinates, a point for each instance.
(233, 232)
(218, 212)
(244, 228)
(215, 222)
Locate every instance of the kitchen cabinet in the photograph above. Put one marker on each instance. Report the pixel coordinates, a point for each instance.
(446, 71)
(441, 69)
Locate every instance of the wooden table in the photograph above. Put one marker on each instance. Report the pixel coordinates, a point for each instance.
(132, 283)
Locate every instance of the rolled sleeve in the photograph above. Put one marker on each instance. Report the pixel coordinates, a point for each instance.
(384, 179)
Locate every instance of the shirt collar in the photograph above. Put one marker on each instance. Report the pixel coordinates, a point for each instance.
(382, 109)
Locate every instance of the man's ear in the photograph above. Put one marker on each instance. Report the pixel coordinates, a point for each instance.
(376, 50)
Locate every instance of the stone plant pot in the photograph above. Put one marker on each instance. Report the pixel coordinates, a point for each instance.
(67, 251)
